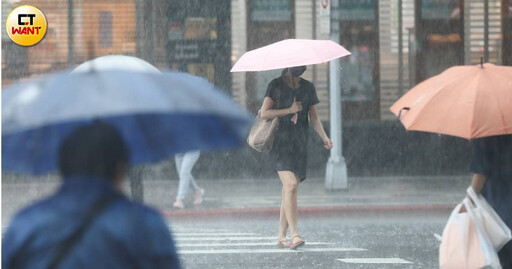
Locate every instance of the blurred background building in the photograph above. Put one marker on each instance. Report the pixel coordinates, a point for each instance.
(392, 48)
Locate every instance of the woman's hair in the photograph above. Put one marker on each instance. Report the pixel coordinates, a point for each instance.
(285, 77)
(283, 73)
(93, 150)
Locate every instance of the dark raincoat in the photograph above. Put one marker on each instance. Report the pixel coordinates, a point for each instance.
(124, 235)
(492, 158)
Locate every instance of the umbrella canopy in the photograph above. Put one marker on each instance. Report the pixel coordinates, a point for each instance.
(158, 114)
(465, 101)
(289, 53)
(116, 62)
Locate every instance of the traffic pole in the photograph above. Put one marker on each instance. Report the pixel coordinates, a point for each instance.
(336, 171)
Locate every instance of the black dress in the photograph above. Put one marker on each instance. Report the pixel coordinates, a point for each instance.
(289, 152)
(492, 157)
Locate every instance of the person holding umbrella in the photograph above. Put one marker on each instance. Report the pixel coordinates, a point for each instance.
(50, 118)
(472, 102)
(88, 222)
(296, 99)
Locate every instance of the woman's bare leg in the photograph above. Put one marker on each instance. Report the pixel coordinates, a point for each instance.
(290, 184)
(283, 223)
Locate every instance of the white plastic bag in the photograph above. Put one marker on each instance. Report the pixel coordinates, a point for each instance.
(465, 244)
(498, 232)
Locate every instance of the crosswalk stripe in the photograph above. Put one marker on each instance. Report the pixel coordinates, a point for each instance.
(233, 251)
(332, 249)
(195, 230)
(240, 244)
(243, 238)
(273, 250)
(376, 261)
(210, 234)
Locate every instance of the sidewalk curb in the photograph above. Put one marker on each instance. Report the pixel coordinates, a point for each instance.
(304, 210)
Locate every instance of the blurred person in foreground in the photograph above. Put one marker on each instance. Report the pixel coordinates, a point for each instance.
(88, 222)
(492, 177)
(297, 101)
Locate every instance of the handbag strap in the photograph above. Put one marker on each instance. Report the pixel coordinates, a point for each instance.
(474, 196)
(464, 233)
(278, 95)
(67, 245)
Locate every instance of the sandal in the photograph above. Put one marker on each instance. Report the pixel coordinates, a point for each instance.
(283, 243)
(178, 204)
(198, 197)
(300, 243)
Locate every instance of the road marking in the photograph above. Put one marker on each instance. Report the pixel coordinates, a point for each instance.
(438, 237)
(195, 230)
(332, 249)
(241, 244)
(376, 260)
(273, 250)
(245, 238)
(234, 251)
(210, 234)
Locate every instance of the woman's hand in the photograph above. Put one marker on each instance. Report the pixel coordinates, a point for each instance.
(327, 143)
(296, 106)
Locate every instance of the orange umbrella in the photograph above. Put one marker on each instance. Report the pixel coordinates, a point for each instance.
(464, 101)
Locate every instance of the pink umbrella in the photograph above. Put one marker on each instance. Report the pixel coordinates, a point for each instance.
(289, 53)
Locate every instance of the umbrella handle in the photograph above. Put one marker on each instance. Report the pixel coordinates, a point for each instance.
(400, 112)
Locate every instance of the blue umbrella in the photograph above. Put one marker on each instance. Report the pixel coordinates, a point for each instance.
(158, 114)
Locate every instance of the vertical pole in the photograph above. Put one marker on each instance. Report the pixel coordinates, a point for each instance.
(400, 50)
(412, 50)
(506, 26)
(467, 32)
(71, 34)
(486, 31)
(149, 19)
(136, 175)
(314, 35)
(336, 171)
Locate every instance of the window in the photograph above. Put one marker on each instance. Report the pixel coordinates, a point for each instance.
(105, 29)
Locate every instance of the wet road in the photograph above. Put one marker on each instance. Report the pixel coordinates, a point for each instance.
(338, 240)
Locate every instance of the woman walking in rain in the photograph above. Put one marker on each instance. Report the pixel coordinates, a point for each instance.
(296, 99)
(184, 164)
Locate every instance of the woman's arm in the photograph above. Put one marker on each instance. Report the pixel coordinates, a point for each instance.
(478, 182)
(268, 113)
(319, 128)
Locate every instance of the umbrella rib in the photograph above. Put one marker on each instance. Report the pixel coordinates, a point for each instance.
(502, 117)
(474, 109)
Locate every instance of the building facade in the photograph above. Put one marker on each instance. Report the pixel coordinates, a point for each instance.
(392, 48)
(435, 34)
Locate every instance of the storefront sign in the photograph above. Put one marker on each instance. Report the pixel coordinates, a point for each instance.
(325, 16)
(191, 51)
(271, 10)
(175, 31)
(357, 10)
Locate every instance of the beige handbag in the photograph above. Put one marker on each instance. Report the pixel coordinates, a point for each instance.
(261, 137)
